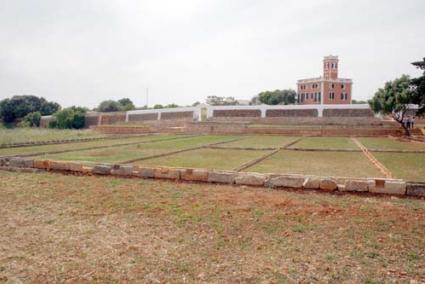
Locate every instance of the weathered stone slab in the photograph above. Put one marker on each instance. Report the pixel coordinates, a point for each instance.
(75, 167)
(328, 184)
(194, 175)
(221, 177)
(143, 172)
(397, 187)
(355, 185)
(286, 181)
(4, 162)
(87, 170)
(102, 170)
(21, 162)
(58, 166)
(41, 164)
(122, 170)
(166, 173)
(250, 179)
(312, 182)
(415, 189)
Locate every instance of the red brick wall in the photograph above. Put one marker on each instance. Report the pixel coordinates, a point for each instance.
(112, 118)
(292, 113)
(142, 116)
(311, 89)
(177, 115)
(237, 113)
(347, 113)
(337, 90)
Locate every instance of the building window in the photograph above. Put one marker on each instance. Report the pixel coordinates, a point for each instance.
(346, 96)
(332, 86)
(332, 96)
(319, 96)
(342, 96)
(332, 65)
(342, 86)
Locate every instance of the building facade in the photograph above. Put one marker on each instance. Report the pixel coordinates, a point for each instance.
(327, 89)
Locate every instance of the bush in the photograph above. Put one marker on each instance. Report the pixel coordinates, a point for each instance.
(69, 118)
(18, 107)
(31, 120)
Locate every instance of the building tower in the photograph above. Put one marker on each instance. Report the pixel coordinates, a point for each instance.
(330, 67)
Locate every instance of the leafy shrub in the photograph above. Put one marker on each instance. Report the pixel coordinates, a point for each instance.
(69, 118)
(32, 119)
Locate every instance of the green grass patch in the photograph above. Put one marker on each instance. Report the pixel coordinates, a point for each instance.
(390, 144)
(206, 158)
(125, 153)
(407, 166)
(318, 163)
(77, 145)
(23, 135)
(263, 141)
(326, 143)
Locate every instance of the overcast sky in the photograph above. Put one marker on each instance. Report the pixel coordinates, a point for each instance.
(80, 52)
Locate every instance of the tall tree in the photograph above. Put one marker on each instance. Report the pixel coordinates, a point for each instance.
(109, 106)
(396, 98)
(276, 97)
(126, 104)
(418, 85)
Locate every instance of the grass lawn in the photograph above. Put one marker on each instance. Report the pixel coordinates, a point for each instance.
(407, 166)
(326, 143)
(79, 145)
(387, 143)
(206, 158)
(261, 141)
(125, 153)
(343, 164)
(21, 135)
(59, 228)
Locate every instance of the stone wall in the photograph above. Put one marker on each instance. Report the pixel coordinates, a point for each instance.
(112, 118)
(292, 113)
(91, 120)
(348, 113)
(177, 115)
(237, 113)
(142, 117)
(274, 181)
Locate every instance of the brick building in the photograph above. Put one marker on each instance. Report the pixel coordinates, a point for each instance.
(328, 89)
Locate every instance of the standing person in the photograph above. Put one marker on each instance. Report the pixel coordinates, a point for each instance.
(408, 122)
(412, 122)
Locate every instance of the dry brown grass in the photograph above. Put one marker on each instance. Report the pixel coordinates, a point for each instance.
(57, 228)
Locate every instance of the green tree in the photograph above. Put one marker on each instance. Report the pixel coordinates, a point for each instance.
(221, 101)
(69, 118)
(109, 106)
(32, 119)
(395, 99)
(126, 104)
(171, 106)
(418, 86)
(276, 97)
(18, 107)
(158, 106)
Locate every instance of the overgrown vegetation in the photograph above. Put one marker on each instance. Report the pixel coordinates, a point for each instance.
(276, 97)
(69, 118)
(124, 104)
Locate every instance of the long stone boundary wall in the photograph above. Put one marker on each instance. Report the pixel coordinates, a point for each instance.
(329, 184)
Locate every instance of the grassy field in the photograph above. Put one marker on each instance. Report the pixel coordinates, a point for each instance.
(386, 143)
(80, 145)
(125, 153)
(326, 143)
(58, 228)
(261, 141)
(207, 158)
(343, 164)
(408, 166)
(21, 135)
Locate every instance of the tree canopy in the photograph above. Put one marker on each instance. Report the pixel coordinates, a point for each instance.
(124, 104)
(276, 97)
(221, 101)
(17, 107)
(69, 118)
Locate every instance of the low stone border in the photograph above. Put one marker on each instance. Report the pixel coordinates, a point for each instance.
(276, 181)
(99, 147)
(66, 141)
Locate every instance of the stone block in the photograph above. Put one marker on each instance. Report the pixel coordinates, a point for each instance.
(41, 164)
(167, 173)
(355, 185)
(4, 162)
(122, 170)
(221, 177)
(415, 189)
(250, 179)
(328, 184)
(143, 172)
(75, 167)
(285, 181)
(87, 170)
(397, 187)
(21, 162)
(194, 175)
(312, 182)
(102, 170)
(58, 166)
